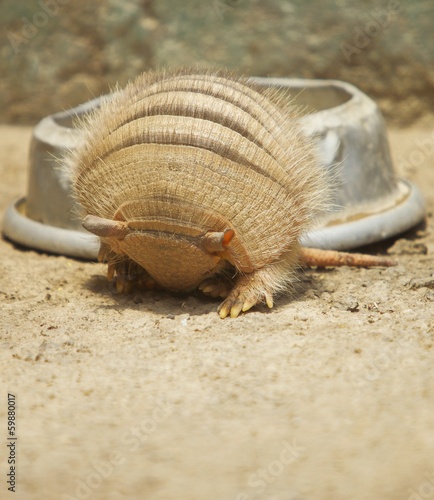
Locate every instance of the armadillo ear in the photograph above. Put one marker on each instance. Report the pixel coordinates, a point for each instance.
(217, 241)
(105, 227)
(227, 237)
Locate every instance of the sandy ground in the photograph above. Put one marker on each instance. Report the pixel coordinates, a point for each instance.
(151, 396)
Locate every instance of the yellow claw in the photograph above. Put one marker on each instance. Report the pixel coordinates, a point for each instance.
(269, 300)
(236, 309)
(223, 309)
(248, 304)
(119, 287)
(123, 287)
(110, 271)
(207, 288)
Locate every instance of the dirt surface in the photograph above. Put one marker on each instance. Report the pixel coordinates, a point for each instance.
(330, 395)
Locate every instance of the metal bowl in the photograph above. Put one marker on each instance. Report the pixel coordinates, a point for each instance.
(371, 202)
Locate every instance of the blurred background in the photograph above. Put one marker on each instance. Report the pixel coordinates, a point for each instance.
(58, 53)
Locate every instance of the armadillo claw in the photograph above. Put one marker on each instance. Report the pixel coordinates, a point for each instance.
(110, 271)
(230, 307)
(235, 303)
(236, 309)
(242, 298)
(269, 300)
(233, 307)
(248, 304)
(123, 286)
(126, 274)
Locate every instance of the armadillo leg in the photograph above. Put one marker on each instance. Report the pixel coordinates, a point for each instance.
(323, 258)
(259, 286)
(126, 274)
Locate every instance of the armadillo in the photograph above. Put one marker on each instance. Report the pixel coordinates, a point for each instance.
(200, 180)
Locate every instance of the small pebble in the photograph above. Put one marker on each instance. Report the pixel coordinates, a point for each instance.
(353, 306)
(348, 304)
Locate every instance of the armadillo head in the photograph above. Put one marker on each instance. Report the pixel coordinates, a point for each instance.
(176, 260)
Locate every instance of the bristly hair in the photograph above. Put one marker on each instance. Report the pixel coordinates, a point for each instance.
(219, 142)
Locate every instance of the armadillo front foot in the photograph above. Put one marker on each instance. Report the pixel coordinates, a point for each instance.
(248, 291)
(259, 286)
(126, 274)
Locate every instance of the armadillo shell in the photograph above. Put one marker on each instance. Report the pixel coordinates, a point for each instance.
(209, 151)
